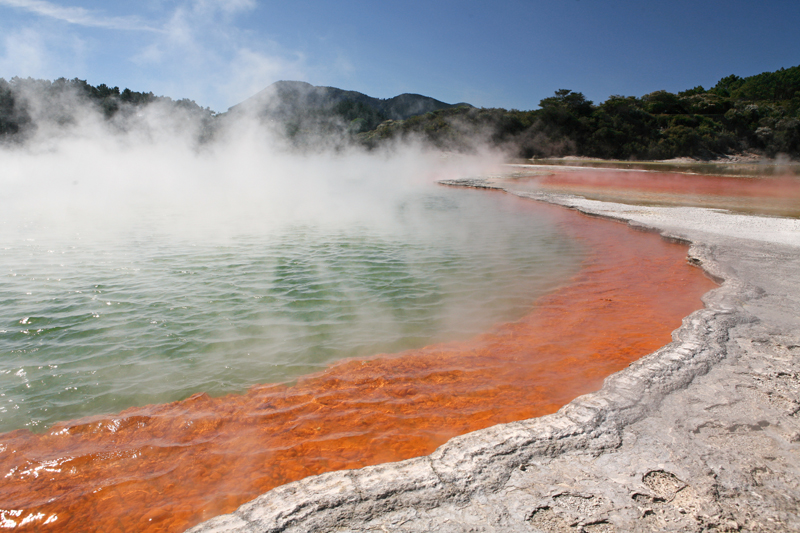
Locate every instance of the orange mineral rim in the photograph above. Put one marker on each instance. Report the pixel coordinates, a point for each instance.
(168, 467)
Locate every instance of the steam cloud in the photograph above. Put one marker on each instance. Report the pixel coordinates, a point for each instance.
(166, 166)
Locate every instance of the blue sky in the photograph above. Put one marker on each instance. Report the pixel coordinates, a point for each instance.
(509, 54)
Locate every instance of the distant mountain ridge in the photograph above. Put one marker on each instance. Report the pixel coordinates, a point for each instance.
(287, 99)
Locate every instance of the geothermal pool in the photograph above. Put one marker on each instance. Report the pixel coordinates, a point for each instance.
(486, 309)
(92, 326)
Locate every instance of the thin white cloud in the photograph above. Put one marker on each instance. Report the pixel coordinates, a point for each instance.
(203, 54)
(78, 15)
(30, 52)
(194, 49)
(250, 71)
(225, 6)
(24, 54)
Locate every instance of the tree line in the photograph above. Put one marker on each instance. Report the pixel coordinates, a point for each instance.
(758, 114)
(27, 104)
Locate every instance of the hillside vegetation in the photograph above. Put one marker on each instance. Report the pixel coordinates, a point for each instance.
(29, 105)
(757, 114)
(306, 114)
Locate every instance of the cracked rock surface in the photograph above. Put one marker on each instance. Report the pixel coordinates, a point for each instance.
(701, 435)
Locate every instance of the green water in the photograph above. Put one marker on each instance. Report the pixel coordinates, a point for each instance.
(90, 326)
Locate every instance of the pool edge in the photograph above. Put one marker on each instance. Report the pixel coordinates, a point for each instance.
(482, 462)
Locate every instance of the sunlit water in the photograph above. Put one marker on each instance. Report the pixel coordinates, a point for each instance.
(96, 325)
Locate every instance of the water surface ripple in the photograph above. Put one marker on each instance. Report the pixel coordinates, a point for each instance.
(164, 467)
(90, 327)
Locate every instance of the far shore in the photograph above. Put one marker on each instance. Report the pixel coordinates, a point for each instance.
(742, 164)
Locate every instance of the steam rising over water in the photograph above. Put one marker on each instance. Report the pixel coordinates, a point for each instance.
(150, 315)
(141, 268)
(139, 264)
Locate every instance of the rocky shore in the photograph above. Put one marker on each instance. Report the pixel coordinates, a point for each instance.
(701, 435)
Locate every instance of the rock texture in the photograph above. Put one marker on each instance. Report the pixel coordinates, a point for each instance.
(702, 435)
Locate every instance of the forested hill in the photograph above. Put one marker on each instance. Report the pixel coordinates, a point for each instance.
(27, 104)
(758, 113)
(289, 98)
(299, 111)
(305, 108)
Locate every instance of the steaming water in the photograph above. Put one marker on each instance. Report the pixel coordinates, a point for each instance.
(90, 326)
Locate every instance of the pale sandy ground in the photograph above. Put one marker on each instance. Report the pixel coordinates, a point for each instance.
(702, 435)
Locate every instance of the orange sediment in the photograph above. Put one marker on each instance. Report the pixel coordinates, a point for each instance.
(779, 195)
(168, 467)
(685, 184)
